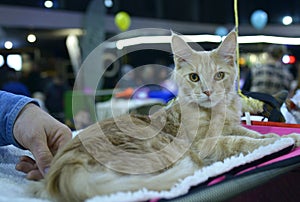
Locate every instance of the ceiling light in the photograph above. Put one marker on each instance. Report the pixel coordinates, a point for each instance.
(1, 60)
(287, 20)
(31, 38)
(269, 39)
(120, 44)
(48, 4)
(15, 61)
(8, 45)
(108, 3)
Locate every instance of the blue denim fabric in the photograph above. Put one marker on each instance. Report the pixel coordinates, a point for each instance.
(10, 107)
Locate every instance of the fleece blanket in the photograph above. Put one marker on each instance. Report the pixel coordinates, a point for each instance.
(14, 184)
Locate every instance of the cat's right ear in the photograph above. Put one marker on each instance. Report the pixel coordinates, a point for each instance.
(181, 50)
(227, 48)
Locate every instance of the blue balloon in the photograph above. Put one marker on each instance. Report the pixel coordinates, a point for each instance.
(221, 31)
(259, 19)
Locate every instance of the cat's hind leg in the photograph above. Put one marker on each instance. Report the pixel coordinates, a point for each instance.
(227, 146)
(242, 131)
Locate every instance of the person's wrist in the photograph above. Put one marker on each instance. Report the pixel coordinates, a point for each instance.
(20, 123)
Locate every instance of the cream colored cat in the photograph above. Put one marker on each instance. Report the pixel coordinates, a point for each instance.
(131, 152)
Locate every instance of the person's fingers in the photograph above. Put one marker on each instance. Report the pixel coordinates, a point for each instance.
(44, 151)
(34, 175)
(42, 155)
(29, 166)
(65, 138)
(25, 166)
(59, 136)
(27, 159)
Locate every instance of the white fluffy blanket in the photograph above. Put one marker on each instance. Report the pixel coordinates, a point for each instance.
(13, 184)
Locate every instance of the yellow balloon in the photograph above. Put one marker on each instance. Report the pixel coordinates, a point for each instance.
(122, 20)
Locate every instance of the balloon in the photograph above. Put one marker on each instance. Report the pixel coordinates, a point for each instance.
(122, 20)
(259, 19)
(221, 31)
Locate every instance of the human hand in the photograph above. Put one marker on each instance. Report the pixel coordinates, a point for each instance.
(41, 134)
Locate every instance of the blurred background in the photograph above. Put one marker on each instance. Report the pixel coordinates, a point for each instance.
(43, 43)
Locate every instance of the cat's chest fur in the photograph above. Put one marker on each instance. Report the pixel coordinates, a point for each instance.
(199, 122)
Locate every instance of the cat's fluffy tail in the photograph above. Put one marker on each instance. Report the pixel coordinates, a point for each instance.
(61, 180)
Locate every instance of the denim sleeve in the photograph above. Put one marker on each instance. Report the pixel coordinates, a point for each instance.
(10, 107)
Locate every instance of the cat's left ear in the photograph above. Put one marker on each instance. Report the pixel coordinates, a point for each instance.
(227, 49)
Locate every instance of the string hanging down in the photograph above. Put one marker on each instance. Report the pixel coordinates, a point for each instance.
(248, 104)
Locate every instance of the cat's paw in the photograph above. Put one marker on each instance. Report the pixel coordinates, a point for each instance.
(296, 137)
(270, 135)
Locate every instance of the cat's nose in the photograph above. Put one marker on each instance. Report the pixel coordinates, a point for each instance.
(207, 92)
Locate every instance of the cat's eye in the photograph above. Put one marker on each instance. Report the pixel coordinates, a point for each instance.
(194, 77)
(219, 76)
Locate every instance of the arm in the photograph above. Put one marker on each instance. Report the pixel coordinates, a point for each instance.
(27, 126)
(10, 107)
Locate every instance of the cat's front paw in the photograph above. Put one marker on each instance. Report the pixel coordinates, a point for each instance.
(296, 137)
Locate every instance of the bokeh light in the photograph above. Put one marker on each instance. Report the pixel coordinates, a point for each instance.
(31, 38)
(287, 20)
(48, 4)
(8, 45)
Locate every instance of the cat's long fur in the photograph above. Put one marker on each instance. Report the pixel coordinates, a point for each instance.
(132, 151)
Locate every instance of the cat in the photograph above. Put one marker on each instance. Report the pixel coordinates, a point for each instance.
(131, 152)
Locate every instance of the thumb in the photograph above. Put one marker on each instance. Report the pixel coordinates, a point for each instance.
(43, 157)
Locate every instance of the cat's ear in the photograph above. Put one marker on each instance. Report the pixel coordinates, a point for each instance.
(181, 50)
(227, 48)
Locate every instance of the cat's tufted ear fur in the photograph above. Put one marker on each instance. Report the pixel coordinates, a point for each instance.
(181, 50)
(227, 48)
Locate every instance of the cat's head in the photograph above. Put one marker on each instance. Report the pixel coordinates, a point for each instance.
(204, 77)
